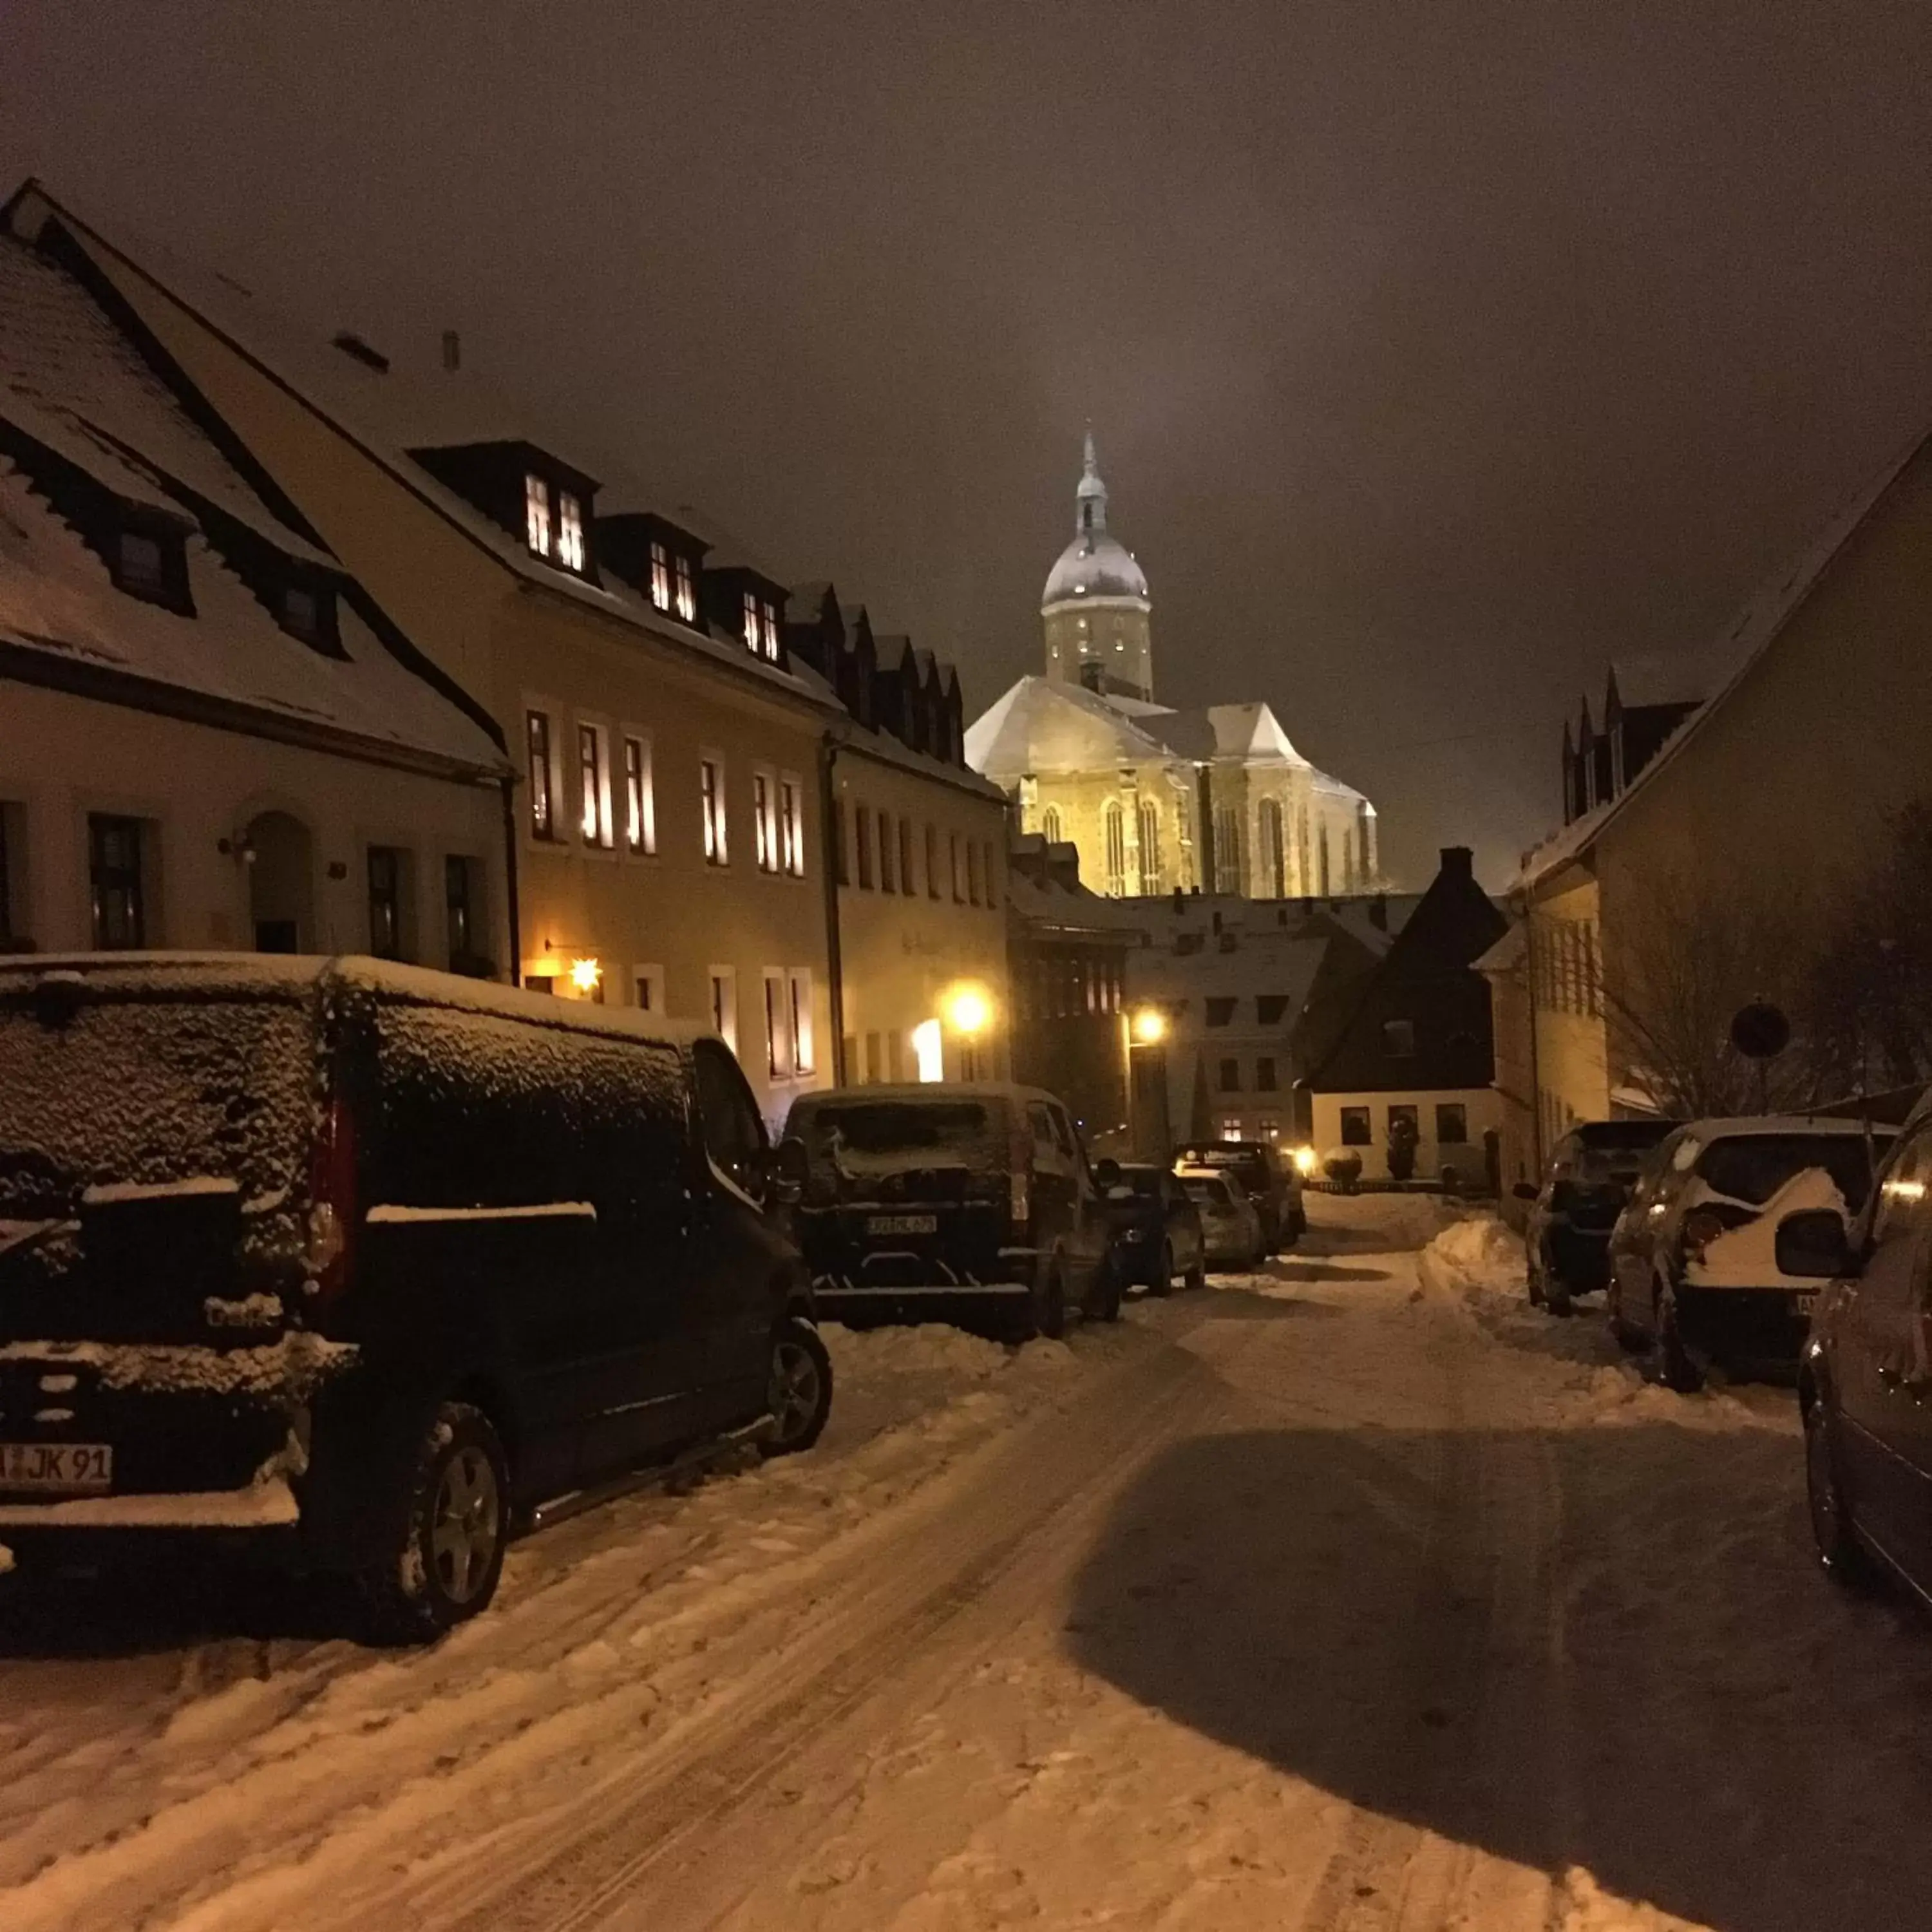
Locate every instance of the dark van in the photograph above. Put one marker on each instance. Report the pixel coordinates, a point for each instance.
(368, 1265)
(953, 1201)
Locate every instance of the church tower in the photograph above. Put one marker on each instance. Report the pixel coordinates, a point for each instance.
(1095, 610)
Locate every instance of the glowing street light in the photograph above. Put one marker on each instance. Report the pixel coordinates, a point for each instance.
(968, 1011)
(1150, 1027)
(585, 974)
(1304, 1159)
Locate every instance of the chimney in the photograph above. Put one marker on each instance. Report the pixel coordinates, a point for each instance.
(1458, 861)
(452, 351)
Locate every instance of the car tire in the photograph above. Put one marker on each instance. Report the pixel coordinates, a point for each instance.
(1103, 1302)
(1556, 1292)
(1670, 1360)
(1533, 1280)
(453, 1529)
(1046, 1307)
(1162, 1283)
(1626, 1337)
(798, 1390)
(1832, 1529)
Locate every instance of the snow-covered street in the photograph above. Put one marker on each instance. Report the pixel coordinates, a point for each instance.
(1351, 1595)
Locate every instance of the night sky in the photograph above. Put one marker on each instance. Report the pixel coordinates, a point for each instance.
(1436, 352)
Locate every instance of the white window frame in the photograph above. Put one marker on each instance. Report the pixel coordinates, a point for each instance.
(778, 1061)
(640, 841)
(594, 824)
(684, 595)
(660, 555)
(647, 990)
(715, 810)
(765, 818)
(773, 642)
(791, 824)
(754, 630)
(798, 989)
(553, 714)
(536, 514)
(569, 531)
(722, 985)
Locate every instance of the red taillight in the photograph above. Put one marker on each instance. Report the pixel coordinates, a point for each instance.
(1701, 1226)
(331, 1210)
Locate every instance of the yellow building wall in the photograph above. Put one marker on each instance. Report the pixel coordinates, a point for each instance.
(1482, 1112)
(901, 951)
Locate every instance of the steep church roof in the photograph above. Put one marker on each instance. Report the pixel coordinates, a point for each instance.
(1094, 564)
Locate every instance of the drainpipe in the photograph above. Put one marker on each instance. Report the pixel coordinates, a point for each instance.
(507, 790)
(828, 866)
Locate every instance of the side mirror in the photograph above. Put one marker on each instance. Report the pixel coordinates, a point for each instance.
(1107, 1173)
(1814, 1245)
(1525, 1190)
(788, 1167)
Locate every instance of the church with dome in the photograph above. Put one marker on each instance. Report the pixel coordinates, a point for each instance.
(1213, 799)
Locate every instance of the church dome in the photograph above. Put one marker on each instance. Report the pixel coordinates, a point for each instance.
(1094, 564)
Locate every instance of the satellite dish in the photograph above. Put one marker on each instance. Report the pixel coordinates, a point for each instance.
(1760, 1031)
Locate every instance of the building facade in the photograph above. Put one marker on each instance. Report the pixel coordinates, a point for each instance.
(1155, 800)
(212, 736)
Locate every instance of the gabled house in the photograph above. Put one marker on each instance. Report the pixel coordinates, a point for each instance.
(212, 734)
(1645, 698)
(1416, 1050)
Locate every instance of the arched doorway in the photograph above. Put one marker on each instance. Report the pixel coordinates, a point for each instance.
(281, 883)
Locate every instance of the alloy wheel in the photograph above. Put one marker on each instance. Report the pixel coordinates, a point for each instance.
(794, 1393)
(466, 1524)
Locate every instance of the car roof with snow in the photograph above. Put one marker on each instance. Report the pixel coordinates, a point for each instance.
(162, 974)
(1738, 1127)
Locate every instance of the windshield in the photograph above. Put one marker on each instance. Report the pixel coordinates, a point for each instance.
(1208, 1190)
(1753, 1168)
(151, 1092)
(942, 1133)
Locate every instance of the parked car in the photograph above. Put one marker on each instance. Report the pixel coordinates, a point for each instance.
(1591, 1172)
(364, 1265)
(949, 1201)
(1865, 1376)
(1272, 1184)
(1156, 1229)
(1231, 1225)
(1694, 1275)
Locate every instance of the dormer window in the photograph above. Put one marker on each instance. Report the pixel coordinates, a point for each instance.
(137, 565)
(536, 514)
(308, 612)
(660, 577)
(569, 532)
(754, 624)
(771, 632)
(687, 589)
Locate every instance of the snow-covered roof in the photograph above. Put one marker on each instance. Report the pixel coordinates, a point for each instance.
(1094, 565)
(1730, 661)
(72, 384)
(388, 413)
(1663, 677)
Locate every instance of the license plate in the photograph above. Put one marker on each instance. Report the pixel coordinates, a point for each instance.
(902, 1224)
(1804, 1301)
(69, 1467)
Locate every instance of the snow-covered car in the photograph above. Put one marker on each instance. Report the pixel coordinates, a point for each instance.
(1272, 1183)
(370, 1265)
(1865, 1376)
(1694, 1276)
(962, 1201)
(1566, 1236)
(1231, 1226)
(1156, 1229)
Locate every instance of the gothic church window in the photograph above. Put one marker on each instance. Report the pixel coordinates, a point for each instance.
(1115, 820)
(1049, 825)
(1274, 866)
(1149, 829)
(1227, 850)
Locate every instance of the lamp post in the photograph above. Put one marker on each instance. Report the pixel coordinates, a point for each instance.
(1145, 1027)
(968, 1008)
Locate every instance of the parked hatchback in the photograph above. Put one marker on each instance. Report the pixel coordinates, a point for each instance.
(1231, 1226)
(1272, 1184)
(367, 1265)
(950, 1202)
(1591, 1170)
(1156, 1229)
(1865, 1379)
(1694, 1275)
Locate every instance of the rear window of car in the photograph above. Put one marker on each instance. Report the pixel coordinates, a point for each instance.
(1145, 1181)
(1209, 1190)
(947, 1133)
(155, 1092)
(1248, 1164)
(1754, 1167)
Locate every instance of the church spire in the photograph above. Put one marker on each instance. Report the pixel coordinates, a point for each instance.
(1090, 498)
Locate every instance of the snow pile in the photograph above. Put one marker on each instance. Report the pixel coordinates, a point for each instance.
(862, 1355)
(1480, 1252)
(1746, 1256)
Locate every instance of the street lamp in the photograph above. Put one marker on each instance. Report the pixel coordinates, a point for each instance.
(1150, 1027)
(968, 1011)
(585, 974)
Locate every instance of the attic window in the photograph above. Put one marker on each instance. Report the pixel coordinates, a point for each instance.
(687, 590)
(771, 631)
(569, 532)
(139, 568)
(1399, 1039)
(308, 612)
(660, 577)
(536, 514)
(753, 632)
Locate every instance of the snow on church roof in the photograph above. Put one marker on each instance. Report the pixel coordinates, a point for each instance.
(1094, 564)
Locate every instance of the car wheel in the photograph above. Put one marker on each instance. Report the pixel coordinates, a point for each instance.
(1621, 1332)
(1839, 1550)
(1556, 1290)
(1670, 1360)
(1533, 1279)
(1046, 1308)
(1162, 1283)
(1196, 1277)
(798, 1388)
(1105, 1303)
(454, 1527)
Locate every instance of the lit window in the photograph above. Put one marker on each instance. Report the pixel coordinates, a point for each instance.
(724, 1005)
(711, 779)
(569, 532)
(798, 985)
(660, 577)
(764, 822)
(537, 726)
(595, 784)
(791, 826)
(687, 590)
(754, 633)
(536, 514)
(771, 632)
(1231, 1126)
(641, 827)
(778, 1025)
